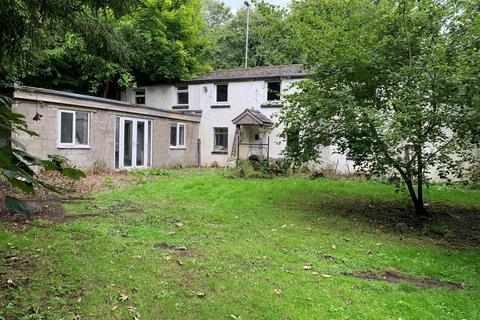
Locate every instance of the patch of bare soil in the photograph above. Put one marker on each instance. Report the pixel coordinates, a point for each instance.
(49, 205)
(396, 277)
(459, 227)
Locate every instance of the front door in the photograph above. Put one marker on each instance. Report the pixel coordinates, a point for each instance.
(133, 143)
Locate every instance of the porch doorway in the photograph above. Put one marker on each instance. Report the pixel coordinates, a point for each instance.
(132, 143)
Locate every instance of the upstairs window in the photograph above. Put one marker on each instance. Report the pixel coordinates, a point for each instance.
(222, 92)
(177, 135)
(220, 139)
(273, 91)
(140, 96)
(182, 95)
(73, 127)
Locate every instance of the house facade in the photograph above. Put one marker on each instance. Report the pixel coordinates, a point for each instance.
(238, 111)
(98, 133)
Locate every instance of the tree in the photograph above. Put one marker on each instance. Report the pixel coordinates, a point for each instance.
(394, 85)
(27, 28)
(166, 38)
(271, 39)
(216, 14)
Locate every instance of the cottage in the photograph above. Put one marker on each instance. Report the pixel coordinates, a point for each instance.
(238, 110)
(101, 133)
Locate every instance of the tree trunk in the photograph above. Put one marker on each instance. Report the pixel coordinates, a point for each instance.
(416, 200)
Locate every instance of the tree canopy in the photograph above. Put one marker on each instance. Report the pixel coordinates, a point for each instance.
(394, 85)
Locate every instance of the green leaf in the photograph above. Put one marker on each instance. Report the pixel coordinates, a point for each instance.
(15, 205)
(72, 173)
(25, 186)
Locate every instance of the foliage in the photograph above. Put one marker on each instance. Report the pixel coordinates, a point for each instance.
(394, 85)
(18, 167)
(101, 47)
(271, 38)
(166, 38)
(259, 167)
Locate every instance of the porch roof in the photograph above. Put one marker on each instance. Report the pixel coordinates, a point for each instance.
(252, 117)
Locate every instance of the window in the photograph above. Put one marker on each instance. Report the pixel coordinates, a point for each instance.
(273, 91)
(140, 96)
(182, 95)
(222, 92)
(73, 128)
(220, 139)
(177, 135)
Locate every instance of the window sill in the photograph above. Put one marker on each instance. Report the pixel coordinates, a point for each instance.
(176, 107)
(219, 152)
(73, 147)
(272, 105)
(178, 148)
(220, 106)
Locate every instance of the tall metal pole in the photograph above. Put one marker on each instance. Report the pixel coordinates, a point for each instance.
(246, 36)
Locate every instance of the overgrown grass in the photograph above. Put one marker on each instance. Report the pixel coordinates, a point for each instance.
(247, 242)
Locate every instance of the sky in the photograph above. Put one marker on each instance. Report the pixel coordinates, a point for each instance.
(235, 4)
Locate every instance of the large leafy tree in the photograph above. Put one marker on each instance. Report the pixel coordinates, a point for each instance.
(29, 28)
(167, 39)
(107, 50)
(271, 38)
(394, 85)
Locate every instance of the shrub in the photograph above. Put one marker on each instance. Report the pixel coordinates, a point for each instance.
(257, 167)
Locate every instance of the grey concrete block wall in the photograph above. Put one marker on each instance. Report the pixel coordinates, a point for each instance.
(163, 155)
(101, 150)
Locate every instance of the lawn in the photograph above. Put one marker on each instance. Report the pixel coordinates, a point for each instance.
(195, 245)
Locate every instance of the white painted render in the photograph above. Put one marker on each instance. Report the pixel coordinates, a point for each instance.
(241, 95)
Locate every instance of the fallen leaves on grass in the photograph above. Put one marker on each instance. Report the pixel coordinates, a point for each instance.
(123, 297)
(168, 258)
(277, 291)
(307, 267)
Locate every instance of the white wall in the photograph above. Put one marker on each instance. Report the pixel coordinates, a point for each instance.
(241, 95)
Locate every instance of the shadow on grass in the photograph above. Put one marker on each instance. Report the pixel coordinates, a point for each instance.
(455, 226)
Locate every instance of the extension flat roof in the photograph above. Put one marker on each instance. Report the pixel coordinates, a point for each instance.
(92, 102)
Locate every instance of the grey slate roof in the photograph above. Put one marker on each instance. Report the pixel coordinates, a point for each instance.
(269, 72)
(256, 115)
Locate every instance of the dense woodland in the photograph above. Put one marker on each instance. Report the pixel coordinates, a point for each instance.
(99, 48)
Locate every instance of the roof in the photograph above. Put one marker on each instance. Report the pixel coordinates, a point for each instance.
(92, 102)
(269, 72)
(251, 116)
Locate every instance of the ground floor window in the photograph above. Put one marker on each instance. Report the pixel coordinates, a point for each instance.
(177, 135)
(220, 139)
(132, 142)
(73, 128)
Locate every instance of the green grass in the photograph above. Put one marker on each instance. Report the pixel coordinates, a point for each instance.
(244, 239)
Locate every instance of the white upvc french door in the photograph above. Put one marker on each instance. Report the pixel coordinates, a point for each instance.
(133, 143)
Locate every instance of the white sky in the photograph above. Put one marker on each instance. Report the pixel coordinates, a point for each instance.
(235, 4)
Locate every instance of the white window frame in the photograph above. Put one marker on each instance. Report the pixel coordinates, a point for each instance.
(147, 159)
(214, 139)
(216, 96)
(178, 125)
(177, 91)
(73, 144)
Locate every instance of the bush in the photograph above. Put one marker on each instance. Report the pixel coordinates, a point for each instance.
(257, 167)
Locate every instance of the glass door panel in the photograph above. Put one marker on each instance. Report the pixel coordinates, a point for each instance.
(127, 143)
(140, 143)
